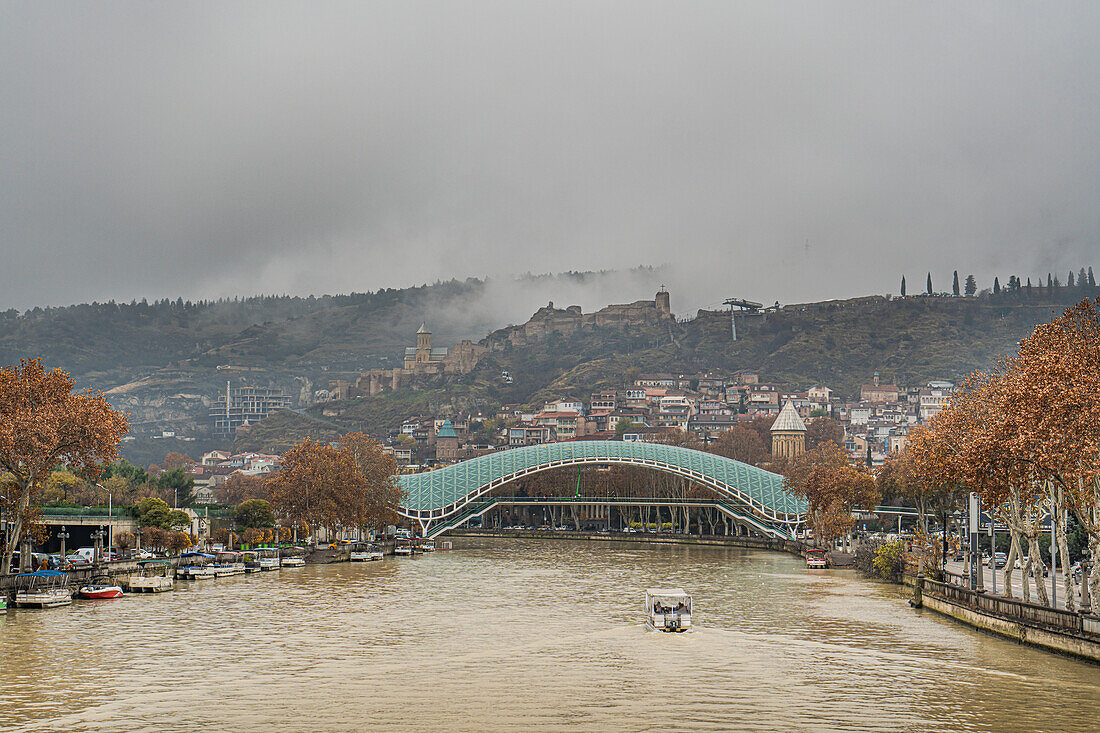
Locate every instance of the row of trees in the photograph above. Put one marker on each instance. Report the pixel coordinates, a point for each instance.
(1084, 281)
(121, 483)
(1026, 438)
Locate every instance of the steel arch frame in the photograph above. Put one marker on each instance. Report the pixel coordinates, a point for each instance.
(496, 501)
(780, 523)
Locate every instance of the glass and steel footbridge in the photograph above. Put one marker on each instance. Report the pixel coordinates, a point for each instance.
(445, 498)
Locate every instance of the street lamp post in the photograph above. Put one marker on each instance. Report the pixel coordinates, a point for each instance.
(97, 546)
(63, 535)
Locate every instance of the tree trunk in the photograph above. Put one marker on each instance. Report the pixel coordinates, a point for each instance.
(1035, 560)
(1010, 563)
(1057, 510)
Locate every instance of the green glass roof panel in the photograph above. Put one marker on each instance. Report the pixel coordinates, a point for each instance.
(457, 483)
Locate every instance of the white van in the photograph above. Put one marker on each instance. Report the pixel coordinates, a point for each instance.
(88, 553)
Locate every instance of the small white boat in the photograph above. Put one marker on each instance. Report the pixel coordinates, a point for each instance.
(293, 562)
(101, 588)
(196, 566)
(152, 576)
(402, 546)
(251, 561)
(816, 559)
(667, 609)
(269, 558)
(42, 589)
(228, 563)
(426, 545)
(366, 554)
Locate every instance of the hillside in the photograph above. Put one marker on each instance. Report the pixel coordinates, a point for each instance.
(839, 344)
(166, 362)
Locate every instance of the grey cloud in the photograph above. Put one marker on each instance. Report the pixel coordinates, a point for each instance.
(760, 149)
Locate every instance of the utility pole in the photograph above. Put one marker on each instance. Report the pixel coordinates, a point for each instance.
(745, 306)
(975, 551)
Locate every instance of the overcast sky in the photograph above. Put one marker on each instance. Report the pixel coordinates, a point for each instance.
(772, 150)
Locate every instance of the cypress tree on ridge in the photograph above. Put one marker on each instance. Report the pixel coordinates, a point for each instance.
(929, 286)
(903, 286)
(955, 284)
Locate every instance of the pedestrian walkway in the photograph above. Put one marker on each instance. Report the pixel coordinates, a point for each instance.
(1017, 583)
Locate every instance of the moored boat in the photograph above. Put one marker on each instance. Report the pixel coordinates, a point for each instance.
(292, 562)
(100, 588)
(152, 576)
(425, 545)
(251, 561)
(816, 559)
(366, 554)
(42, 589)
(196, 566)
(268, 557)
(402, 546)
(228, 562)
(667, 609)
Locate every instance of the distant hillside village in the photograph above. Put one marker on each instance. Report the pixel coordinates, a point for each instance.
(654, 407)
(703, 406)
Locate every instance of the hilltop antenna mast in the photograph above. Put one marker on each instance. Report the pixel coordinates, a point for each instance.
(746, 306)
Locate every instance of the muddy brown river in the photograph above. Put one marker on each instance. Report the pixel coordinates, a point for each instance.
(521, 635)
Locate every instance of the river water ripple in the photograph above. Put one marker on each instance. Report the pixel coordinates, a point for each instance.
(528, 635)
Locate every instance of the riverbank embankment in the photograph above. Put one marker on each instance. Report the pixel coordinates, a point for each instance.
(1053, 629)
(793, 547)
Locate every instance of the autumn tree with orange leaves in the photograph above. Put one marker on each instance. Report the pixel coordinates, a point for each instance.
(833, 488)
(44, 425)
(382, 494)
(917, 474)
(1051, 397)
(349, 486)
(1026, 438)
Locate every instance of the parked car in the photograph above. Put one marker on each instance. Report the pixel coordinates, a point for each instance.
(77, 562)
(997, 561)
(1046, 570)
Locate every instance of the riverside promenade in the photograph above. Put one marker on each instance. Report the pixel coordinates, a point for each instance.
(1053, 629)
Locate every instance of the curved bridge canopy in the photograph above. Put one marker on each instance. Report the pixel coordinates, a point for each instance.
(437, 495)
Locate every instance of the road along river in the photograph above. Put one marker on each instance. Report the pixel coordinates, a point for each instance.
(517, 635)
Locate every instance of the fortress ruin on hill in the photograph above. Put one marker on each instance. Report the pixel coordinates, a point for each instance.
(425, 360)
(569, 320)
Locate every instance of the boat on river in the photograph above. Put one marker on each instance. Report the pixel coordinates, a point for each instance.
(227, 563)
(42, 589)
(293, 562)
(816, 559)
(403, 546)
(425, 545)
(196, 566)
(667, 609)
(366, 554)
(269, 558)
(251, 561)
(100, 588)
(152, 576)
